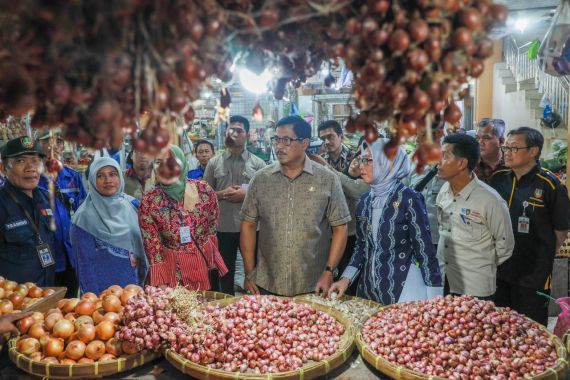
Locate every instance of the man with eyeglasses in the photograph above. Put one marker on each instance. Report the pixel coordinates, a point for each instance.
(229, 174)
(69, 194)
(490, 135)
(539, 209)
(26, 240)
(302, 216)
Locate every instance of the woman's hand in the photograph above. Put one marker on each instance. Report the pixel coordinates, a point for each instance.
(354, 168)
(338, 287)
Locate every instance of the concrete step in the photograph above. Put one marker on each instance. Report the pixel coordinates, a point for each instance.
(533, 103)
(529, 84)
(509, 80)
(511, 87)
(504, 72)
(532, 94)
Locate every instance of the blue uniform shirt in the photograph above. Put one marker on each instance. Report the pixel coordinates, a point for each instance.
(71, 187)
(197, 173)
(18, 240)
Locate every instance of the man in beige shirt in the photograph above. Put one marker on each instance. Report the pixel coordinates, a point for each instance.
(229, 174)
(475, 233)
(139, 179)
(302, 216)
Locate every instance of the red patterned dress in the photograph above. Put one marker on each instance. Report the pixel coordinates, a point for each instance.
(172, 262)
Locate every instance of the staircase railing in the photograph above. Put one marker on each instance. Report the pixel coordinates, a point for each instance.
(557, 88)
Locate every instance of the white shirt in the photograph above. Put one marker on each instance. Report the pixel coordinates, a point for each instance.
(475, 236)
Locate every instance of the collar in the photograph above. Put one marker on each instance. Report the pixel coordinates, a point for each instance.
(344, 152)
(536, 169)
(465, 193)
(244, 155)
(499, 164)
(307, 167)
(9, 186)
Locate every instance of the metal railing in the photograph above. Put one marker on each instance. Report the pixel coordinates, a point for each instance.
(523, 69)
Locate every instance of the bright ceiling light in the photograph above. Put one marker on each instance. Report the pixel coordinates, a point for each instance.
(521, 24)
(253, 82)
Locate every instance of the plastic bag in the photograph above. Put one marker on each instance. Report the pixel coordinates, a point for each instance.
(563, 322)
(554, 53)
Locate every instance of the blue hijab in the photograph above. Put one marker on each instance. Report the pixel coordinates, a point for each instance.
(113, 219)
(387, 173)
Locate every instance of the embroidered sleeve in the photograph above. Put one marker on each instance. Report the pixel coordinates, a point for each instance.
(149, 230)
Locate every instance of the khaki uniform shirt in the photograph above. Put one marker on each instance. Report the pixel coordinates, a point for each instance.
(133, 186)
(226, 170)
(475, 236)
(295, 218)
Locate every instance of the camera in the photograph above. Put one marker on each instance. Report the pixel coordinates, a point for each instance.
(315, 147)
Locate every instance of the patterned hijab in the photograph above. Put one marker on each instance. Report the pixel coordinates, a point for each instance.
(113, 219)
(387, 173)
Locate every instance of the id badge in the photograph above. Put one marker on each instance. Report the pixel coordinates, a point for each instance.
(185, 235)
(45, 256)
(524, 225)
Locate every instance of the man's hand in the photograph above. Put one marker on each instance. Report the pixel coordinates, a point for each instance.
(7, 322)
(354, 169)
(339, 288)
(250, 286)
(236, 194)
(324, 283)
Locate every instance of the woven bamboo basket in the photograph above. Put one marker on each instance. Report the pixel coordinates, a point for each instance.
(78, 371)
(566, 343)
(310, 370)
(399, 372)
(213, 296)
(345, 297)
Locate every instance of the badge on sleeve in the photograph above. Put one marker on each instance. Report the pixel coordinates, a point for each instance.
(45, 256)
(185, 235)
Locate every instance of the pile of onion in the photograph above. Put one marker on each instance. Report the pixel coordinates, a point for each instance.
(460, 338)
(261, 334)
(78, 330)
(15, 297)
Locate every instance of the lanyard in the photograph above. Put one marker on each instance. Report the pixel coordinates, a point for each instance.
(34, 222)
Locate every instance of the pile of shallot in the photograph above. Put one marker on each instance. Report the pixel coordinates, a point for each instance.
(262, 334)
(150, 319)
(460, 338)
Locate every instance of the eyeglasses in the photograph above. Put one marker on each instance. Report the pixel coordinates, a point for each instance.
(513, 149)
(284, 140)
(239, 131)
(363, 161)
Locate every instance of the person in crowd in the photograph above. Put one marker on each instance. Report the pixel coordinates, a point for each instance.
(69, 194)
(393, 250)
(336, 153)
(204, 151)
(490, 135)
(178, 222)
(139, 178)
(539, 215)
(26, 239)
(474, 230)
(428, 183)
(105, 233)
(229, 174)
(353, 187)
(297, 204)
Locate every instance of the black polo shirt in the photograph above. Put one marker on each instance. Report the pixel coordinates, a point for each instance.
(548, 210)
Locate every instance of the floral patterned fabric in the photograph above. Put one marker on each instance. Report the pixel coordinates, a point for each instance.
(172, 262)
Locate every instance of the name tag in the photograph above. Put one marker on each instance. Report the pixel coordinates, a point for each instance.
(19, 223)
(45, 256)
(185, 235)
(524, 225)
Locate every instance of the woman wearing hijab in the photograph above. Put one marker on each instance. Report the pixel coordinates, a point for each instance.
(393, 250)
(105, 233)
(178, 223)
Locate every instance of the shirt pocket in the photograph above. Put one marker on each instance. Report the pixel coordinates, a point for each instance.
(467, 230)
(21, 235)
(220, 172)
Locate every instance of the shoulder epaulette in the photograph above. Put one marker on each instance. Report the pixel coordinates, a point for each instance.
(549, 178)
(501, 171)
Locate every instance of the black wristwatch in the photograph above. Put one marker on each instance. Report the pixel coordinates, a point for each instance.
(334, 271)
